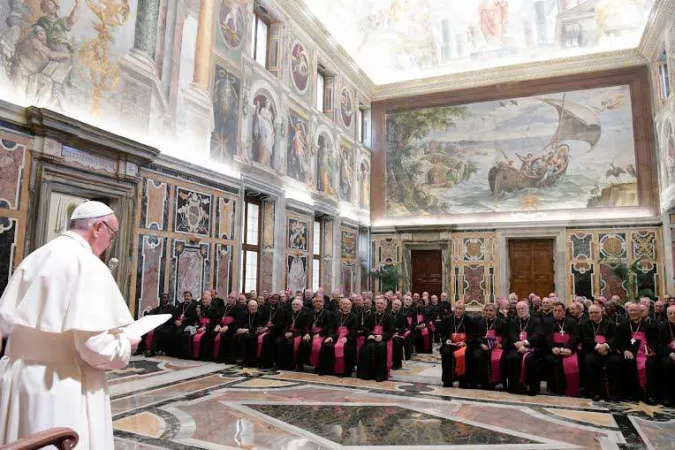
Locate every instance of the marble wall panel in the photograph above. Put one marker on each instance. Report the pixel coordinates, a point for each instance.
(348, 276)
(297, 273)
(268, 247)
(473, 258)
(12, 160)
(155, 207)
(8, 242)
(223, 270)
(151, 264)
(348, 244)
(190, 268)
(192, 212)
(226, 218)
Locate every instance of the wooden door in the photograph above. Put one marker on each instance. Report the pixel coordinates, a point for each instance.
(531, 264)
(427, 271)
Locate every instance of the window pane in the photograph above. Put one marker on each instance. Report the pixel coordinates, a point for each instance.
(254, 28)
(251, 271)
(317, 238)
(315, 274)
(241, 270)
(261, 43)
(252, 224)
(320, 83)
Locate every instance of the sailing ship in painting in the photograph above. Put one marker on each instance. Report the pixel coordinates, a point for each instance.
(543, 169)
(568, 150)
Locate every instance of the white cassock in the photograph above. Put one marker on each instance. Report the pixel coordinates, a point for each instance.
(63, 308)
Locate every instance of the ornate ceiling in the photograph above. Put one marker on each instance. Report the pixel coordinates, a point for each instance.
(400, 40)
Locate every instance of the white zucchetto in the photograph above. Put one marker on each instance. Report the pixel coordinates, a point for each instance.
(91, 210)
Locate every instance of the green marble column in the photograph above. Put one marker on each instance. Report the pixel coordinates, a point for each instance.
(145, 37)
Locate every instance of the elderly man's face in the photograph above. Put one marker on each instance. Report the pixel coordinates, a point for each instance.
(522, 309)
(489, 312)
(318, 303)
(633, 312)
(345, 305)
(459, 309)
(252, 306)
(671, 314)
(187, 297)
(296, 305)
(416, 297)
(595, 313)
(558, 312)
(242, 299)
(434, 300)
(380, 304)
(610, 308)
(658, 307)
(367, 303)
(396, 305)
(407, 300)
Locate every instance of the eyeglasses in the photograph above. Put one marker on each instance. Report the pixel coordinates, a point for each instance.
(113, 233)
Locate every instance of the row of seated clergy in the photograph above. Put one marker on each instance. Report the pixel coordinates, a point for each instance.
(634, 360)
(291, 336)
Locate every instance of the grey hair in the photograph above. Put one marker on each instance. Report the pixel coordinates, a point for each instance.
(85, 224)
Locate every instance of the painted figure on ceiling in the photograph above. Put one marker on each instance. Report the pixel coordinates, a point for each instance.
(263, 131)
(494, 16)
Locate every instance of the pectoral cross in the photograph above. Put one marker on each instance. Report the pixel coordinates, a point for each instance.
(562, 332)
(632, 341)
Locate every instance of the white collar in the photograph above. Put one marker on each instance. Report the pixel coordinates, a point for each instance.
(77, 238)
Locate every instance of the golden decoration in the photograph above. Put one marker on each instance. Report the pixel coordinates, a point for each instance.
(641, 407)
(529, 202)
(104, 72)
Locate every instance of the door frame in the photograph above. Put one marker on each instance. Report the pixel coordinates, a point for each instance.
(559, 257)
(406, 275)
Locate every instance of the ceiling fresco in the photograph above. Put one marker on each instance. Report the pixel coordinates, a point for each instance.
(398, 40)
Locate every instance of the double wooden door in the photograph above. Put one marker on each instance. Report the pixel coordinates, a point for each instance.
(427, 271)
(531, 264)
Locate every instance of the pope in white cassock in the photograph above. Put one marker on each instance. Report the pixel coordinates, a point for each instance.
(62, 312)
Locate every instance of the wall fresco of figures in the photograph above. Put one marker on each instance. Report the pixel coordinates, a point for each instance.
(297, 270)
(568, 150)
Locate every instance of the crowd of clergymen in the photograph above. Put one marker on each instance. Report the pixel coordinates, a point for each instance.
(600, 349)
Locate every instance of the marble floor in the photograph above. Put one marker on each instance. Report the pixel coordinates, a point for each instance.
(164, 403)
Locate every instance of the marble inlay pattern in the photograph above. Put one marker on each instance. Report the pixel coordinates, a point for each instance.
(193, 405)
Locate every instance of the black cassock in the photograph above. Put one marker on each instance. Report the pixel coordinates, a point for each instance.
(433, 315)
(361, 315)
(488, 367)
(454, 359)
(169, 338)
(401, 339)
(666, 347)
(296, 325)
(601, 376)
(518, 330)
(336, 357)
(245, 345)
(322, 326)
(638, 375)
(372, 363)
(422, 337)
(273, 322)
(563, 376)
(207, 318)
(216, 345)
(150, 341)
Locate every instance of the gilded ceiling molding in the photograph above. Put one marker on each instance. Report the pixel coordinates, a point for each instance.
(503, 74)
(304, 19)
(651, 38)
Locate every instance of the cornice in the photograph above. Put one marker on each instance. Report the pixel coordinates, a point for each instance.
(659, 17)
(520, 72)
(305, 20)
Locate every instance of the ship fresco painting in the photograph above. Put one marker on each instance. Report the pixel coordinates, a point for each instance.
(567, 150)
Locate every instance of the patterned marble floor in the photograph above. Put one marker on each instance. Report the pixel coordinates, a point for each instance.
(163, 403)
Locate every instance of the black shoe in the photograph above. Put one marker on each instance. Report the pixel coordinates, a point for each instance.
(596, 398)
(651, 400)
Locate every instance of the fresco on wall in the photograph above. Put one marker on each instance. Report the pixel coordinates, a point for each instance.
(296, 267)
(557, 151)
(226, 93)
(298, 158)
(297, 234)
(64, 54)
(263, 135)
(346, 107)
(232, 24)
(395, 40)
(325, 165)
(346, 174)
(300, 67)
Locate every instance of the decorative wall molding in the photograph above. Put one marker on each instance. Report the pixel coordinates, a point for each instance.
(651, 38)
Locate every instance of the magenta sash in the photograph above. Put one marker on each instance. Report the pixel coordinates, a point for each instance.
(339, 367)
(409, 319)
(148, 339)
(316, 346)
(495, 358)
(523, 366)
(360, 340)
(570, 366)
(426, 340)
(390, 348)
(641, 357)
(432, 326)
(225, 321)
(261, 339)
(600, 339)
(197, 338)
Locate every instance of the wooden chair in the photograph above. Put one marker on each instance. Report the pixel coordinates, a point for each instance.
(62, 438)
